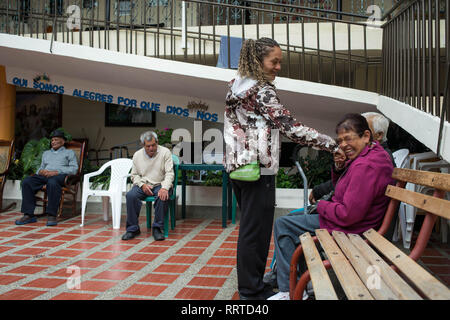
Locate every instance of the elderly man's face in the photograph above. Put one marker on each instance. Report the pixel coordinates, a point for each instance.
(150, 147)
(57, 143)
(378, 136)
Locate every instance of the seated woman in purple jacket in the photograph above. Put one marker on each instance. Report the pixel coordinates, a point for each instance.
(357, 205)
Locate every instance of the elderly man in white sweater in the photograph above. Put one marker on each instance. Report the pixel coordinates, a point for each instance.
(152, 175)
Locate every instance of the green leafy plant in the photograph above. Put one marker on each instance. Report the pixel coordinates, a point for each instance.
(164, 136)
(31, 156)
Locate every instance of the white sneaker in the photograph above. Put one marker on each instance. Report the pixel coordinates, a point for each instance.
(280, 296)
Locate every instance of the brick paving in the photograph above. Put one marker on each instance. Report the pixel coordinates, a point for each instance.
(197, 261)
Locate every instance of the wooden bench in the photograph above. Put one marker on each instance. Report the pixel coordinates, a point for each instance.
(370, 267)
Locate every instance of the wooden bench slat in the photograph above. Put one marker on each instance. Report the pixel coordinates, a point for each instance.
(440, 207)
(435, 180)
(368, 274)
(429, 285)
(353, 287)
(323, 288)
(399, 286)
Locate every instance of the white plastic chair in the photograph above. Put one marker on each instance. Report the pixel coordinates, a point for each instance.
(407, 213)
(120, 169)
(400, 159)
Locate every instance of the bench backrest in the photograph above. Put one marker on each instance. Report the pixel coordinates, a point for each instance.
(434, 205)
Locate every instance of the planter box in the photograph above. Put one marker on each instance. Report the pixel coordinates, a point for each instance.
(195, 195)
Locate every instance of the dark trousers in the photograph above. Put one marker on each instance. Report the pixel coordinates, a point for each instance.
(134, 203)
(32, 184)
(256, 201)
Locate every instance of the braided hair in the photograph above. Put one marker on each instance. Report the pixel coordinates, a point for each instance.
(252, 55)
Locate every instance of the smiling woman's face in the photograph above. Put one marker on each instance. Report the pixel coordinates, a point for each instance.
(351, 143)
(272, 63)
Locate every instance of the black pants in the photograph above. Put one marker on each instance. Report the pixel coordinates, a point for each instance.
(256, 201)
(134, 199)
(32, 184)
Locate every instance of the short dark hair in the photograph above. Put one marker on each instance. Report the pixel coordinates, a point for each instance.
(354, 122)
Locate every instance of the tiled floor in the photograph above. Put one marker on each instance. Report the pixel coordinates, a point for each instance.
(66, 262)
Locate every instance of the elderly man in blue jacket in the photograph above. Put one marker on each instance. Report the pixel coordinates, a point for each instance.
(56, 164)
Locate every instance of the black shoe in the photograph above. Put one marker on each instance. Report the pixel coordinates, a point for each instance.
(157, 234)
(266, 293)
(26, 219)
(130, 235)
(51, 221)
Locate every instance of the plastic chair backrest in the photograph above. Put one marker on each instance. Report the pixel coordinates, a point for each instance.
(176, 164)
(119, 168)
(400, 157)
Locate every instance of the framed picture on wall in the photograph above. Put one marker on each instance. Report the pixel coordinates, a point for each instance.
(121, 116)
(37, 115)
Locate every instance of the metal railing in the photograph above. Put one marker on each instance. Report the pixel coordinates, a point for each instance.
(416, 56)
(318, 44)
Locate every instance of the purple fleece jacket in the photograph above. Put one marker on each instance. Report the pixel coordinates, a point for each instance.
(359, 202)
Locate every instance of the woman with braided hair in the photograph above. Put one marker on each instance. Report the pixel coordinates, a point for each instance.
(253, 118)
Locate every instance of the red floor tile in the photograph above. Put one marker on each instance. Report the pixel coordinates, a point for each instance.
(51, 230)
(7, 279)
(154, 249)
(181, 259)
(194, 251)
(169, 268)
(96, 239)
(88, 263)
(222, 261)
(67, 253)
(109, 233)
(48, 261)
(435, 260)
(79, 232)
(47, 283)
(444, 270)
(117, 247)
(196, 294)
(166, 243)
(225, 253)
(144, 290)
(204, 238)
(26, 270)
(160, 278)
(12, 259)
(21, 294)
(142, 257)
(228, 245)
(31, 251)
(129, 266)
(210, 232)
(16, 242)
(198, 244)
(113, 275)
(8, 234)
(64, 273)
(83, 245)
(98, 286)
(207, 282)
(104, 255)
(35, 236)
(215, 271)
(49, 244)
(74, 296)
(64, 238)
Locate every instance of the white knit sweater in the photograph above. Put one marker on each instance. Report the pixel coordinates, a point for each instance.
(154, 171)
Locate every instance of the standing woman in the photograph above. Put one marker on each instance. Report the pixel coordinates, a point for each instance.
(253, 118)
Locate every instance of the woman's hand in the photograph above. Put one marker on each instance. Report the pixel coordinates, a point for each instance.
(339, 159)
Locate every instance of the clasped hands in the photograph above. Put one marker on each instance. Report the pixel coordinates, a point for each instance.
(48, 173)
(163, 194)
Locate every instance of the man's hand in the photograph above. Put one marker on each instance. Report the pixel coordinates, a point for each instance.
(163, 194)
(48, 173)
(147, 189)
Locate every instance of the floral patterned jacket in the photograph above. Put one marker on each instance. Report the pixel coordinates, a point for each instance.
(253, 119)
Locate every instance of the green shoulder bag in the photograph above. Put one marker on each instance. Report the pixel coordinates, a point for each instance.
(249, 172)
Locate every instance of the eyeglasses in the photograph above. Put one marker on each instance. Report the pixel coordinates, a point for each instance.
(347, 139)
